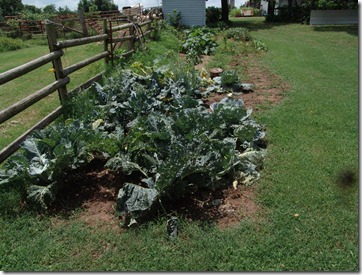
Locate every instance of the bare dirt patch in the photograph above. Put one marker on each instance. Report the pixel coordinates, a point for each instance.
(93, 189)
(269, 88)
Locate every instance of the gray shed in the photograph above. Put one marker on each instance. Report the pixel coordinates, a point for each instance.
(193, 12)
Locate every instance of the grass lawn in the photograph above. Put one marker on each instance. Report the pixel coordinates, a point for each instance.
(308, 189)
(23, 86)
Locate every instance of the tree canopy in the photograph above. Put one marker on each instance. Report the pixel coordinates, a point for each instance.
(97, 5)
(16, 7)
(10, 7)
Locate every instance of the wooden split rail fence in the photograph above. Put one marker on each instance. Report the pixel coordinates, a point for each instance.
(112, 37)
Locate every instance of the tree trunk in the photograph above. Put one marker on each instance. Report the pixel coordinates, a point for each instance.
(271, 7)
(225, 11)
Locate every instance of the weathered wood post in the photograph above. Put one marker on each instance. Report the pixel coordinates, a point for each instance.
(83, 22)
(57, 63)
(132, 33)
(108, 40)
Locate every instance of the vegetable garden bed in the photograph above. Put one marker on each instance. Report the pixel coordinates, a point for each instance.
(156, 140)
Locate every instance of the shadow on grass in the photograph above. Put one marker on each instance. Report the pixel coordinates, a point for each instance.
(259, 23)
(350, 29)
(255, 23)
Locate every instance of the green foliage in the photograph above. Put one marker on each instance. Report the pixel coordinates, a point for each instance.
(97, 5)
(313, 135)
(229, 78)
(259, 45)
(10, 7)
(10, 44)
(175, 18)
(235, 13)
(242, 34)
(213, 15)
(335, 4)
(48, 155)
(50, 9)
(198, 41)
(150, 122)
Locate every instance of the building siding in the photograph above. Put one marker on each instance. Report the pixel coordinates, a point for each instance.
(193, 12)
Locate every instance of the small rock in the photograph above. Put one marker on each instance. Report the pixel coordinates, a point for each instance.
(214, 72)
(247, 86)
(216, 202)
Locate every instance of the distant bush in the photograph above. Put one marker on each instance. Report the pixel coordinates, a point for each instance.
(235, 13)
(213, 15)
(10, 44)
(242, 34)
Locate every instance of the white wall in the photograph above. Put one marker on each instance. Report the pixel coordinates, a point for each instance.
(193, 12)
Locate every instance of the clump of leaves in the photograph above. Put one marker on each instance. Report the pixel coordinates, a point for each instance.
(198, 41)
(259, 45)
(242, 34)
(229, 78)
(11, 44)
(175, 18)
(46, 158)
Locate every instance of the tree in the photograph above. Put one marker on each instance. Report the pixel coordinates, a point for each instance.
(50, 9)
(31, 8)
(271, 8)
(65, 10)
(97, 5)
(225, 11)
(10, 7)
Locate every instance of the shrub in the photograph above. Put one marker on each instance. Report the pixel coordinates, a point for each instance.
(10, 44)
(198, 41)
(213, 15)
(175, 18)
(242, 34)
(259, 45)
(235, 13)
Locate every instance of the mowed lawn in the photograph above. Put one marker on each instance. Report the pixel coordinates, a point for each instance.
(308, 189)
(15, 90)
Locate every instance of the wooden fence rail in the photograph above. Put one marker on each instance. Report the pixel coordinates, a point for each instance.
(110, 40)
(28, 67)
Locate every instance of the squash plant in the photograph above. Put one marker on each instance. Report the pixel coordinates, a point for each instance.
(198, 41)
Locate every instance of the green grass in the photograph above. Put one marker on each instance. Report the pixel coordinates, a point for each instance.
(313, 140)
(23, 86)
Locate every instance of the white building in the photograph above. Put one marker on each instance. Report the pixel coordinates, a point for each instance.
(193, 12)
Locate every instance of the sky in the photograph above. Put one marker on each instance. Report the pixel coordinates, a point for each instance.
(72, 4)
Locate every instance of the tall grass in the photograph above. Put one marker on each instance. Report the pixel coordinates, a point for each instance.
(308, 189)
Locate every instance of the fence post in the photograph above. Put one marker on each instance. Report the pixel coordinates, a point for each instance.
(57, 63)
(83, 22)
(108, 40)
(132, 39)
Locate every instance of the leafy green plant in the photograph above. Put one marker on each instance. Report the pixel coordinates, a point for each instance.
(259, 45)
(242, 34)
(48, 155)
(11, 44)
(198, 41)
(235, 12)
(175, 18)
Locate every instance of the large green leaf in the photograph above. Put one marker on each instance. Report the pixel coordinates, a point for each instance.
(134, 199)
(41, 196)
